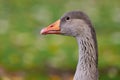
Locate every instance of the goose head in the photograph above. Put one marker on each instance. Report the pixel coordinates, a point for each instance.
(74, 23)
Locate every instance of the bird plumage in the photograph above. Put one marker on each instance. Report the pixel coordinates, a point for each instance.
(77, 24)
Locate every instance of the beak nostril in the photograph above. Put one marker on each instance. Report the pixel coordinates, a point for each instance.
(51, 26)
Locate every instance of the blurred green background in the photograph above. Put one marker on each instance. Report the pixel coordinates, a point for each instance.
(27, 55)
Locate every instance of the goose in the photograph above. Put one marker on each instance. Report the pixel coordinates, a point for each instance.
(78, 25)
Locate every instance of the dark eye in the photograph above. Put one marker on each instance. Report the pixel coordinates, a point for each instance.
(67, 18)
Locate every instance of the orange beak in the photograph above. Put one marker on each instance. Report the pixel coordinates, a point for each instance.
(52, 29)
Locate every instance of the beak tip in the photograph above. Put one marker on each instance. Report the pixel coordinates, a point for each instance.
(42, 31)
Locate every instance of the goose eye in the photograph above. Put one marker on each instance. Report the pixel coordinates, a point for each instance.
(67, 18)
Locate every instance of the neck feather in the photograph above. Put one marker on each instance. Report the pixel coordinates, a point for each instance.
(88, 58)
